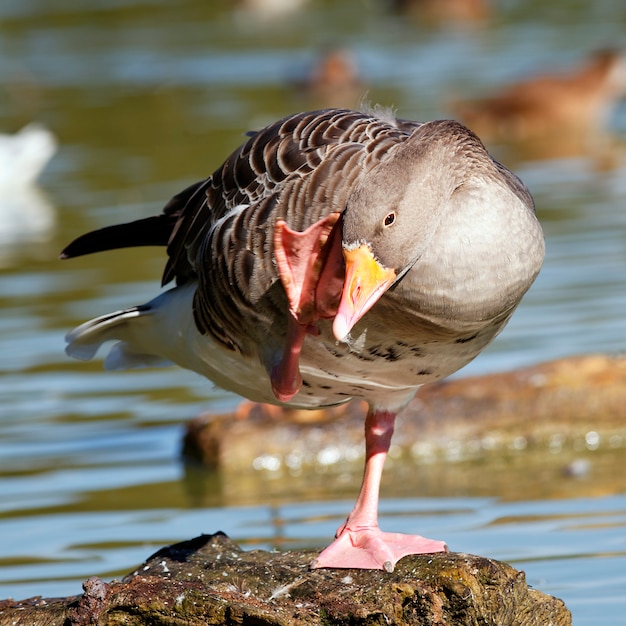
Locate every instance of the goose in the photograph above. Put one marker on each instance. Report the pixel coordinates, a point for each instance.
(335, 254)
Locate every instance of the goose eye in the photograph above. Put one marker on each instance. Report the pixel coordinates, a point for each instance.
(390, 218)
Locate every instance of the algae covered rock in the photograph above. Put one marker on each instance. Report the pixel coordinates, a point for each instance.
(209, 580)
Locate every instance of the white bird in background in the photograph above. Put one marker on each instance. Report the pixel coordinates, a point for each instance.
(25, 213)
(24, 155)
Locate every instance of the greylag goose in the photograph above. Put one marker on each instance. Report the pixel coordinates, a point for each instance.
(336, 254)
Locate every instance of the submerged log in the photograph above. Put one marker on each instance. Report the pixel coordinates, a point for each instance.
(543, 405)
(209, 580)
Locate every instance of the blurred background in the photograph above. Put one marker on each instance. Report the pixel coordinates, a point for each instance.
(107, 109)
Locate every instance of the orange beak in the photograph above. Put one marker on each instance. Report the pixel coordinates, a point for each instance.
(365, 282)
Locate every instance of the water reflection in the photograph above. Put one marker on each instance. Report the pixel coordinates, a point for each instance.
(147, 97)
(27, 220)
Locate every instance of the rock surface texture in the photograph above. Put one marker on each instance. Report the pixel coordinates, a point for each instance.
(209, 580)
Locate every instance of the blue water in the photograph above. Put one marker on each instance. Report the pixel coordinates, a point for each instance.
(145, 98)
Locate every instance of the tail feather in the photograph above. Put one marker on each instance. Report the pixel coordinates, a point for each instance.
(122, 357)
(84, 341)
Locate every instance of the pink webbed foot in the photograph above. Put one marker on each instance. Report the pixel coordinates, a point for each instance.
(371, 548)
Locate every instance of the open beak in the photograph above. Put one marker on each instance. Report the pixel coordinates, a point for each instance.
(366, 280)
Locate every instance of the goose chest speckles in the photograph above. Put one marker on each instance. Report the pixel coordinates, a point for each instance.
(335, 254)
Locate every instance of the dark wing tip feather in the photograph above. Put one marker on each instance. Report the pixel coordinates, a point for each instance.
(151, 231)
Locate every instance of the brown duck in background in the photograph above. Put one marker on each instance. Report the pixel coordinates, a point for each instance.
(334, 255)
(333, 81)
(444, 12)
(575, 104)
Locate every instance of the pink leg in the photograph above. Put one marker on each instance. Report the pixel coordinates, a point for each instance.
(360, 543)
